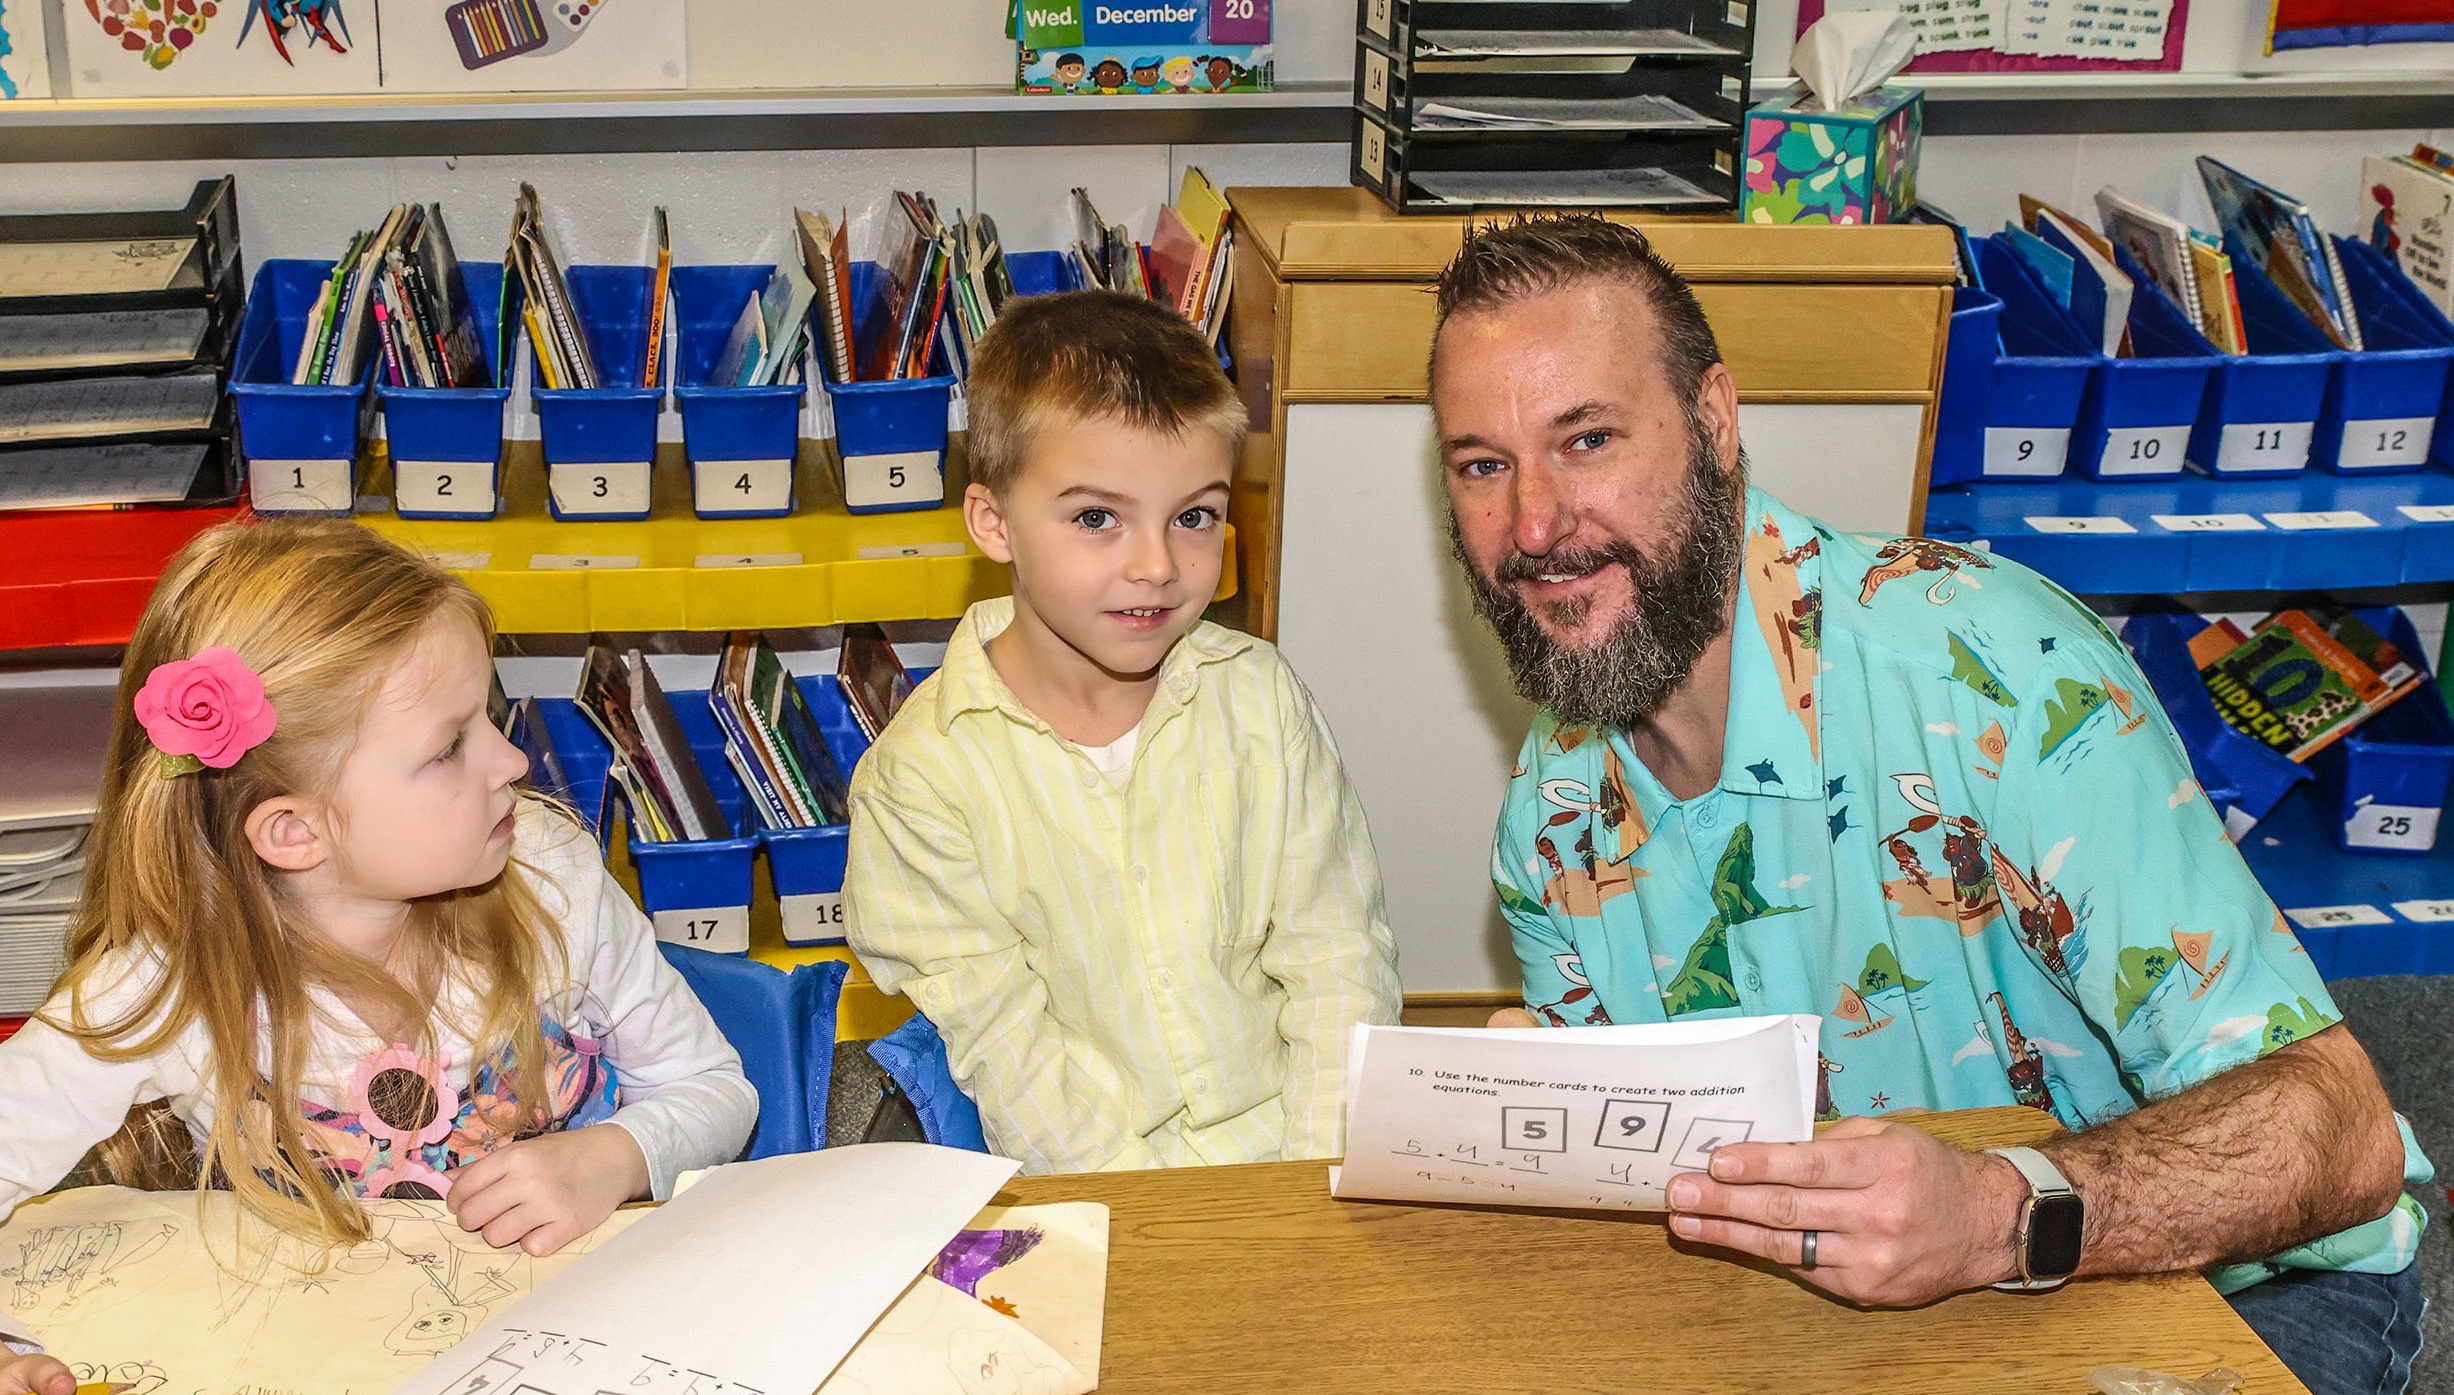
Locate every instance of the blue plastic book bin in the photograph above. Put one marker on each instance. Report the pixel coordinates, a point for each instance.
(890, 434)
(698, 892)
(447, 443)
(301, 441)
(2138, 417)
(2040, 379)
(2381, 404)
(2221, 758)
(741, 441)
(600, 443)
(2385, 784)
(2397, 316)
(1968, 386)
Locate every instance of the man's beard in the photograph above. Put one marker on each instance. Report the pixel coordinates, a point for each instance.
(1681, 604)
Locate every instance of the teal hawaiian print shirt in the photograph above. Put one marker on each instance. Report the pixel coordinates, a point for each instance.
(1952, 820)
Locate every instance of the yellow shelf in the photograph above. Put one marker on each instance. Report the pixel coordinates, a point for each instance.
(677, 571)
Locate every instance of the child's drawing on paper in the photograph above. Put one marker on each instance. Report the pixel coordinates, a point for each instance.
(972, 1255)
(129, 1280)
(25, 65)
(59, 1268)
(295, 24)
(126, 1378)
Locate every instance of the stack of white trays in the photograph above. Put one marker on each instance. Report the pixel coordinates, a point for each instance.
(52, 745)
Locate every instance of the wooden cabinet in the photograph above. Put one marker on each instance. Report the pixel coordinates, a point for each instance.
(1835, 336)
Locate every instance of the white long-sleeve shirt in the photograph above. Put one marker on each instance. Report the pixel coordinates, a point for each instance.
(629, 1044)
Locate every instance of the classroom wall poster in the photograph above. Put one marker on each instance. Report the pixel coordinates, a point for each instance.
(2034, 36)
(2352, 23)
(221, 48)
(533, 45)
(25, 64)
(194, 48)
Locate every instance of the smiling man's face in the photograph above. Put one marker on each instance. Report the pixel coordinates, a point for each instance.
(1595, 513)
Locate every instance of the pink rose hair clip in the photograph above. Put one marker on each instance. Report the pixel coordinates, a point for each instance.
(205, 711)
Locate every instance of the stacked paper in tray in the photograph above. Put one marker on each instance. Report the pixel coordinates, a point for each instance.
(52, 741)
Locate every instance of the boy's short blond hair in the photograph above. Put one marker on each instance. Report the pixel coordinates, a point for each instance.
(1090, 356)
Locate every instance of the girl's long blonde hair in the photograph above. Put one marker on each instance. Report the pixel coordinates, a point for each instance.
(324, 611)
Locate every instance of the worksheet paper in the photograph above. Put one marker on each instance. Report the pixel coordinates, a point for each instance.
(1941, 26)
(755, 1281)
(1574, 1117)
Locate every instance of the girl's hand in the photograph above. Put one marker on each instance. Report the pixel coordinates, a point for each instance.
(35, 1375)
(543, 1193)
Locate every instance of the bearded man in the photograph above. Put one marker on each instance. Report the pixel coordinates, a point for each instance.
(1917, 790)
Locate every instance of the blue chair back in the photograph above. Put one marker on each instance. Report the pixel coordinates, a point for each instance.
(914, 1057)
(783, 1024)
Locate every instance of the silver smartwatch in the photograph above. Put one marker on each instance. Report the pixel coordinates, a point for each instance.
(2052, 1223)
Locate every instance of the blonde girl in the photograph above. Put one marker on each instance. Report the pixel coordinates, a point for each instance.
(326, 929)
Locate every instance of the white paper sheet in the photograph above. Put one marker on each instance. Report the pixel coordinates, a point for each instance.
(755, 1281)
(83, 476)
(1576, 1117)
(107, 266)
(91, 408)
(112, 339)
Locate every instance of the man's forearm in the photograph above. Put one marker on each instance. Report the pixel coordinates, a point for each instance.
(2261, 1158)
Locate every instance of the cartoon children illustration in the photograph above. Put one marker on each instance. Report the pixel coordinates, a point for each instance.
(1109, 76)
(2382, 233)
(1180, 73)
(1221, 71)
(1068, 73)
(1146, 73)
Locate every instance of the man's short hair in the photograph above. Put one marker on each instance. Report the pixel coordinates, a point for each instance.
(1091, 356)
(1531, 256)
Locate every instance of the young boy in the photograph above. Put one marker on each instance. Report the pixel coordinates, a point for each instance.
(1108, 848)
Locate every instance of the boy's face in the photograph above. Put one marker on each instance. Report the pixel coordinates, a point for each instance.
(1116, 535)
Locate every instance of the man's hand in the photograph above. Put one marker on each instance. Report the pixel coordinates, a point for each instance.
(542, 1193)
(1512, 1017)
(35, 1375)
(1905, 1217)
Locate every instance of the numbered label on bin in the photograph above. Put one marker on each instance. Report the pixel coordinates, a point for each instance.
(2327, 917)
(1375, 80)
(2434, 912)
(2026, 450)
(814, 919)
(620, 488)
(300, 486)
(882, 481)
(2208, 522)
(2144, 450)
(742, 486)
(718, 929)
(2252, 447)
(1376, 18)
(2385, 442)
(1373, 153)
(2407, 827)
(2427, 513)
(442, 486)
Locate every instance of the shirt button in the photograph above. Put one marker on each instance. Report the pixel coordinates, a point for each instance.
(1200, 1086)
(1141, 874)
(1708, 813)
(1091, 781)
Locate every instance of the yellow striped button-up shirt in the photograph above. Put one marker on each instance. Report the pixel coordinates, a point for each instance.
(1156, 975)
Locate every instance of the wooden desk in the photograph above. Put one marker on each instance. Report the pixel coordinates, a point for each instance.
(1251, 1279)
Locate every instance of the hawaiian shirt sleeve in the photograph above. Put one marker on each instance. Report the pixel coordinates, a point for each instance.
(1546, 956)
(2116, 876)
(2107, 850)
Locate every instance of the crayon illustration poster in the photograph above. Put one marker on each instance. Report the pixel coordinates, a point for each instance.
(533, 45)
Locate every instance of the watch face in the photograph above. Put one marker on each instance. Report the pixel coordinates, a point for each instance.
(2054, 1226)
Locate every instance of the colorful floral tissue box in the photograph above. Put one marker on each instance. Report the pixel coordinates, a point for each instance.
(1857, 164)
